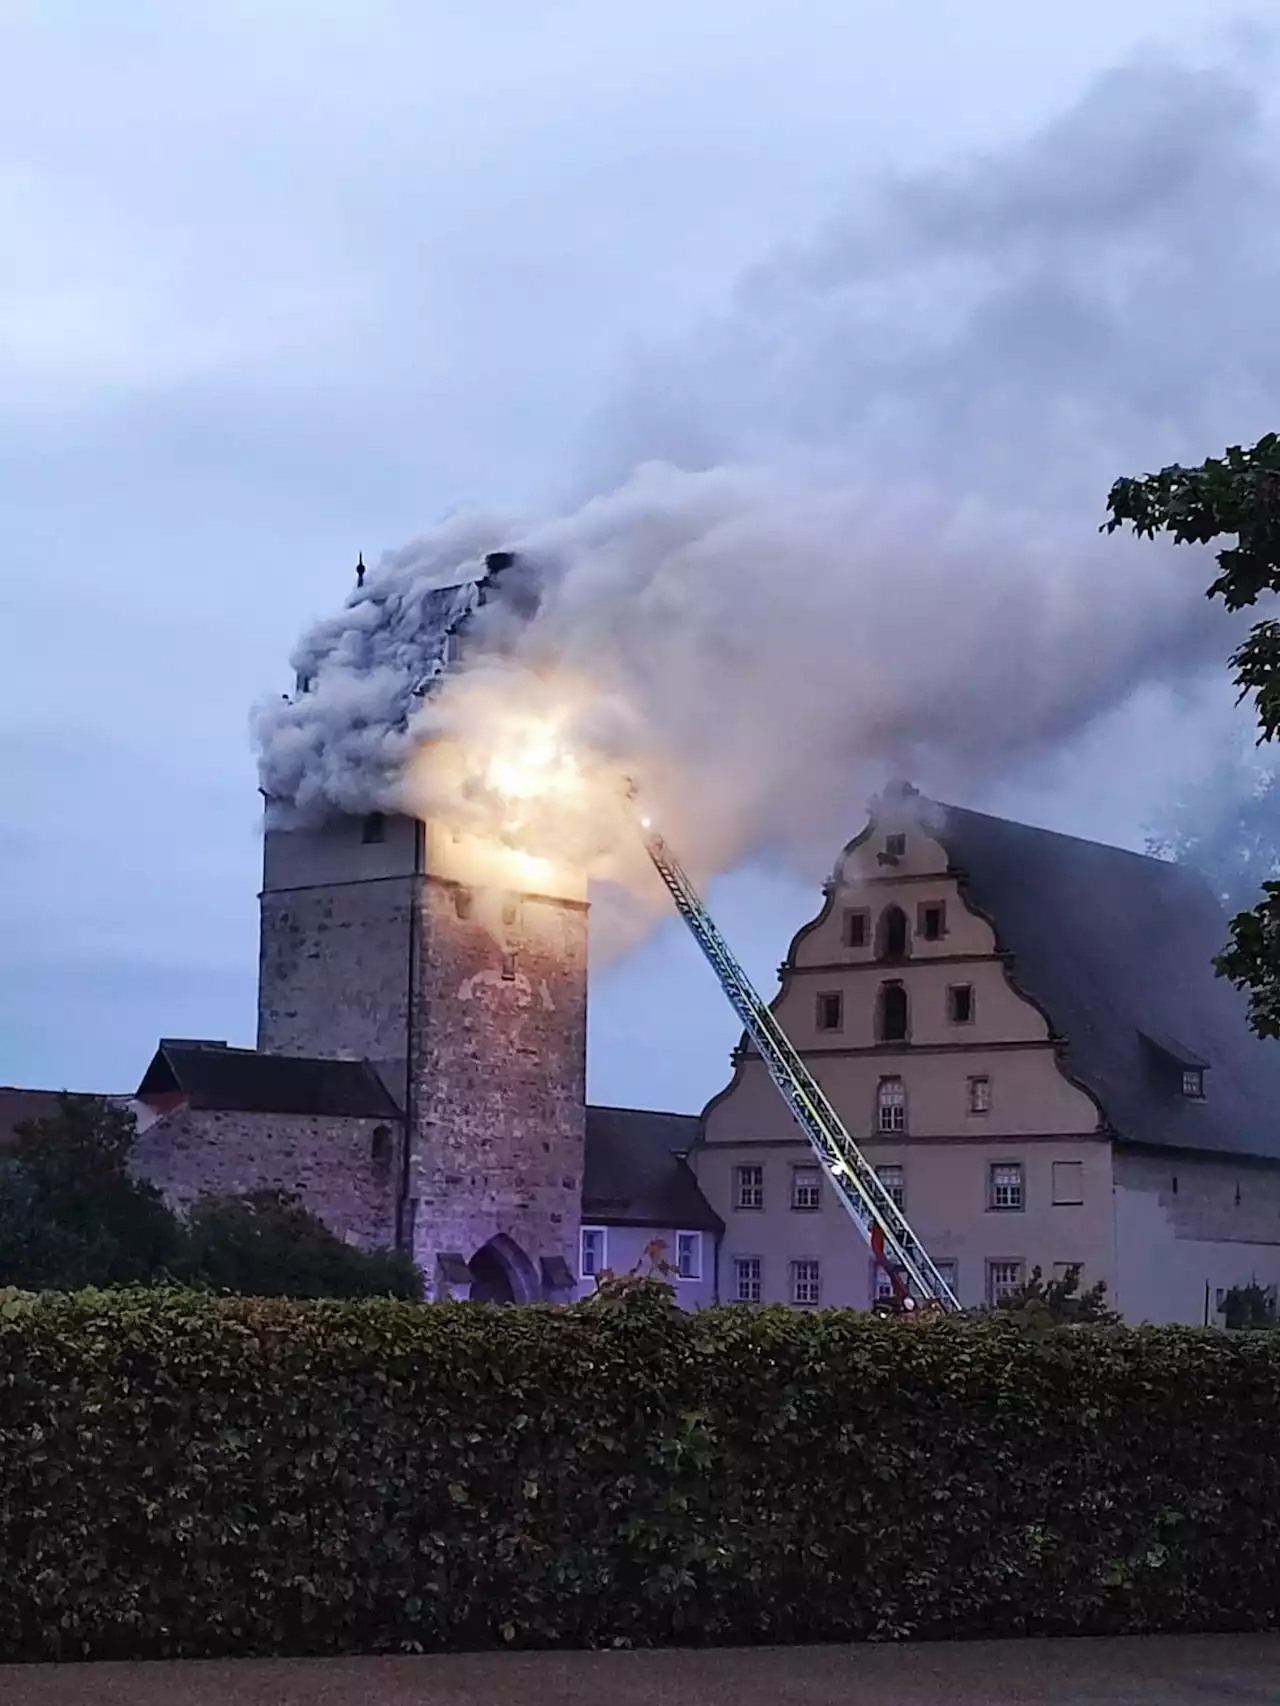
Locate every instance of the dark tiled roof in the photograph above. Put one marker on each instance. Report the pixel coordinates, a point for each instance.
(244, 1081)
(1118, 949)
(635, 1175)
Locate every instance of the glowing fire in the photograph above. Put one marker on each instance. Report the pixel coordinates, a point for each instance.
(536, 765)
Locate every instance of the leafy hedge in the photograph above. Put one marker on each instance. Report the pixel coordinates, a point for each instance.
(188, 1476)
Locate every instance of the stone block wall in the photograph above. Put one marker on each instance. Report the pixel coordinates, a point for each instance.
(498, 1091)
(344, 1170)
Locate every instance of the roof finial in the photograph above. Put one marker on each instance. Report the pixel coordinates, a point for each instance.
(360, 570)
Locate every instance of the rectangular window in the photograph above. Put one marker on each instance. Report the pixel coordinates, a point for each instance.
(591, 1257)
(895, 846)
(748, 1187)
(689, 1255)
(855, 928)
(891, 1106)
(1192, 1082)
(1068, 1182)
(894, 1181)
(1004, 1185)
(746, 1279)
(806, 1187)
(960, 1003)
(508, 968)
(806, 1283)
(373, 828)
(830, 1011)
(881, 1285)
(931, 920)
(980, 1095)
(949, 1269)
(1002, 1279)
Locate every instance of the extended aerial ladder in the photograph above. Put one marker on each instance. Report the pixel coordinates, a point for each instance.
(882, 1223)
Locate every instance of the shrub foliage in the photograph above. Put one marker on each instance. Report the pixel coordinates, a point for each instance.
(186, 1475)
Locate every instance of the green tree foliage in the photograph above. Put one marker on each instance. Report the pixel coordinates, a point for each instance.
(1249, 1306)
(267, 1244)
(184, 1475)
(1235, 495)
(70, 1212)
(1039, 1302)
(73, 1215)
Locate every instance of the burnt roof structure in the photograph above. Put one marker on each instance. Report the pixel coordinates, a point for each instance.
(213, 1076)
(636, 1174)
(1117, 949)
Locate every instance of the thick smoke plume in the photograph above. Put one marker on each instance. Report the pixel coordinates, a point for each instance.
(853, 526)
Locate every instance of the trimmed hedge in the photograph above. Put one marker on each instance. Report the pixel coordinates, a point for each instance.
(183, 1476)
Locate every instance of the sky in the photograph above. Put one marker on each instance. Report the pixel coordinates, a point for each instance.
(286, 281)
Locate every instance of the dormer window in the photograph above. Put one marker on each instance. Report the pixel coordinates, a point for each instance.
(1193, 1082)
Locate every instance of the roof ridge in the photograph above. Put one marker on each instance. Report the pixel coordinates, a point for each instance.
(1058, 835)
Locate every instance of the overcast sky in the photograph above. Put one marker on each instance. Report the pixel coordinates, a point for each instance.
(284, 281)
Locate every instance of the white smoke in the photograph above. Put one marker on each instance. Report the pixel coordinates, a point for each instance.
(854, 525)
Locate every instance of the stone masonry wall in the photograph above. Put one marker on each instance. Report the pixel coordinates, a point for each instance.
(333, 974)
(499, 1077)
(337, 1166)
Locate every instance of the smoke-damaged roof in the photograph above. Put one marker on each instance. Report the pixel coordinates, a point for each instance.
(1118, 949)
(244, 1081)
(636, 1174)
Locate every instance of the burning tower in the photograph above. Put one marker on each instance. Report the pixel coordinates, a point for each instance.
(458, 968)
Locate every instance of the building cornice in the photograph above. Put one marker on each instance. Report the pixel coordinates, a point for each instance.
(907, 1140)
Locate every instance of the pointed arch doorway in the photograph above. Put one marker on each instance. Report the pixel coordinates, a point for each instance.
(502, 1273)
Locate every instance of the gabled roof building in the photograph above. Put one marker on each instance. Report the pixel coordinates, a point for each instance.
(1026, 1031)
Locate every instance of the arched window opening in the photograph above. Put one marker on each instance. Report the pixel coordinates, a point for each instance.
(891, 937)
(892, 1013)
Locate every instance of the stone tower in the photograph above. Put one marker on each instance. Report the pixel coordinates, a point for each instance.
(460, 971)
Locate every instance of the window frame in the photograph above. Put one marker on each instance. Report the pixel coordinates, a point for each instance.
(820, 1001)
(900, 1200)
(862, 914)
(373, 829)
(953, 990)
(1055, 1199)
(972, 1094)
(794, 1282)
(1194, 1074)
(689, 1278)
(995, 1262)
(601, 1232)
(925, 910)
(895, 983)
(885, 1106)
(895, 845)
(994, 1207)
(739, 1262)
(739, 1186)
(806, 1168)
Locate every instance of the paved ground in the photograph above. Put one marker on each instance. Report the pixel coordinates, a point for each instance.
(1219, 1671)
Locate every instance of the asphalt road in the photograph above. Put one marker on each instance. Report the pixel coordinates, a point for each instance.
(1195, 1671)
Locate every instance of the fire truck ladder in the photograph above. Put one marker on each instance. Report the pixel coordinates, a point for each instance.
(881, 1222)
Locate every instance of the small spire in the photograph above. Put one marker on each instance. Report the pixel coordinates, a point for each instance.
(360, 570)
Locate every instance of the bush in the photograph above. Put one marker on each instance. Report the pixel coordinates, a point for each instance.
(72, 1214)
(267, 1244)
(183, 1475)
